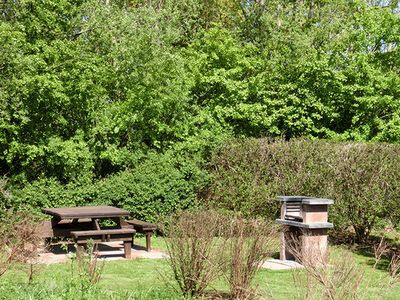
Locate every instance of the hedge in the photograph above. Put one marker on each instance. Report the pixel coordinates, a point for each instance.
(159, 185)
(362, 178)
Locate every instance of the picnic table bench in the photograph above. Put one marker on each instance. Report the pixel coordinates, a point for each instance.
(82, 224)
(144, 227)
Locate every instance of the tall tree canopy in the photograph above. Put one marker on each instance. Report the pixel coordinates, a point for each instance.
(90, 88)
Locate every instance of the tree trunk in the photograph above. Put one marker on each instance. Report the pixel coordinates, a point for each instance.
(361, 232)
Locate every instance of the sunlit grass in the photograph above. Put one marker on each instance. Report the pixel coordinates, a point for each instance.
(151, 279)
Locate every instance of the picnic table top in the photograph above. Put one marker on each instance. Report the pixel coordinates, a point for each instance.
(86, 212)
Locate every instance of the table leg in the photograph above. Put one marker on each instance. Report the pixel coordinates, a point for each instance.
(96, 226)
(128, 249)
(119, 222)
(148, 240)
(55, 221)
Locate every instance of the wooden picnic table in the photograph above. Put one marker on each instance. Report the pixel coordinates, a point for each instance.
(85, 212)
(85, 224)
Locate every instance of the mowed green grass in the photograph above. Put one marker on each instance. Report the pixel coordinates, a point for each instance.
(152, 279)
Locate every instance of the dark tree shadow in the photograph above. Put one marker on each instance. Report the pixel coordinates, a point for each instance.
(367, 248)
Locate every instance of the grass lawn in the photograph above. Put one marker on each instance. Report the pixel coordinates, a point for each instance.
(148, 279)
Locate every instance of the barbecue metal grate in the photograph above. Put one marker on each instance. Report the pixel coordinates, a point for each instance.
(293, 211)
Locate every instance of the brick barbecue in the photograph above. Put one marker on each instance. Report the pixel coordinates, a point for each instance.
(305, 221)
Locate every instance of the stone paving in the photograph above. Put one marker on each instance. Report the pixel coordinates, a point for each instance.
(115, 251)
(107, 251)
(277, 264)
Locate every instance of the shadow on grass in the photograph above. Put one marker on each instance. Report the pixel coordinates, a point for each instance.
(367, 249)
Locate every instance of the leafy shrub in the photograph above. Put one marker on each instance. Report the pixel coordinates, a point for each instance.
(159, 185)
(156, 187)
(362, 178)
(47, 192)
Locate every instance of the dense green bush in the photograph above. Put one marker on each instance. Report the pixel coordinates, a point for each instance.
(159, 185)
(362, 178)
(88, 86)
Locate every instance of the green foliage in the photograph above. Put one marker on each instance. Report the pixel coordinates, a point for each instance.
(159, 185)
(92, 92)
(224, 71)
(362, 178)
(97, 81)
(154, 188)
(41, 193)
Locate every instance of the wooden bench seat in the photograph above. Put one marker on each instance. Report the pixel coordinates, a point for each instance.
(144, 227)
(63, 229)
(79, 233)
(106, 235)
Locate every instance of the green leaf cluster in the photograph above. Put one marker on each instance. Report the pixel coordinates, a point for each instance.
(90, 90)
(158, 186)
